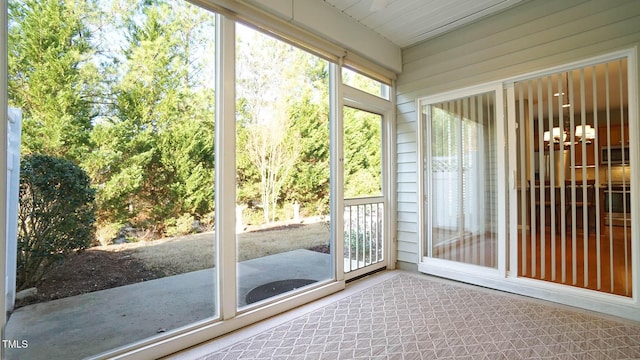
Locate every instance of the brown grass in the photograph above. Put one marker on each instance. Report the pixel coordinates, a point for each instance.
(177, 255)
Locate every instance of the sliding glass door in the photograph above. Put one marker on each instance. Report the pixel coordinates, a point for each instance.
(461, 179)
(529, 185)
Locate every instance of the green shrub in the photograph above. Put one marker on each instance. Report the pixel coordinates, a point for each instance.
(56, 214)
(106, 233)
(182, 225)
(252, 216)
(208, 221)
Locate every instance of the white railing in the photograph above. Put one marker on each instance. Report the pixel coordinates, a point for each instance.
(363, 232)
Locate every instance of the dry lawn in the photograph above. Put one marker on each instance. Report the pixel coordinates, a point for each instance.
(177, 255)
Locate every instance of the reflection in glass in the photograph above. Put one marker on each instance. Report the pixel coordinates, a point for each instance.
(462, 180)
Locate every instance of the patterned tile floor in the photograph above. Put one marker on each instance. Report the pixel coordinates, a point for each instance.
(411, 316)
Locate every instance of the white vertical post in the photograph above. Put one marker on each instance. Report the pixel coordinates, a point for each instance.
(389, 170)
(512, 161)
(572, 147)
(225, 167)
(370, 241)
(563, 194)
(543, 184)
(466, 198)
(460, 181)
(552, 185)
(13, 187)
(423, 207)
(608, 176)
(479, 249)
(3, 158)
(597, 187)
(523, 179)
(502, 185)
(296, 211)
(337, 168)
(621, 98)
(634, 175)
(532, 269)
(585, 199)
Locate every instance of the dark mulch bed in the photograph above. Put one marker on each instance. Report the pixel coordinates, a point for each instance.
(88, 271)
(325, 249)
(281, 227)
(94, 270)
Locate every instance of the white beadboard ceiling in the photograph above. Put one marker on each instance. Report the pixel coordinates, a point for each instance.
(407, 22)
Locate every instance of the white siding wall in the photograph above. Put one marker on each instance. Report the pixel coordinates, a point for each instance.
(407, 196)
(533, 36)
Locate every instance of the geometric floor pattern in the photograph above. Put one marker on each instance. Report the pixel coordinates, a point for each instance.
(417, 317)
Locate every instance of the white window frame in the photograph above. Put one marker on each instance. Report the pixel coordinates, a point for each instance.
(228, 317)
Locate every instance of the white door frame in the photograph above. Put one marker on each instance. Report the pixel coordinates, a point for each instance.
(455, 270)
(506, 278)
(588, 299)
(358, 99)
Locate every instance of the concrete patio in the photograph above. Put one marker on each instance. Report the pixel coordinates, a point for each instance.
(92, 323)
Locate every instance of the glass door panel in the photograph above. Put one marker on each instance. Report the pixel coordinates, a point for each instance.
(461, 180)
(364, 203)
(573, 178)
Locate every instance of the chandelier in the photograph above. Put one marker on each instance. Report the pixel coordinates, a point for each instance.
(558, 135)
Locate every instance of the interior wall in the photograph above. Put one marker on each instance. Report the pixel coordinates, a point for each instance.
(533, 36)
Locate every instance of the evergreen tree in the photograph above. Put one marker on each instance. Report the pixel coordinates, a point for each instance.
(308, 183)
(362, 153)
(51, 77)
(155, 153)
